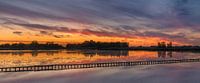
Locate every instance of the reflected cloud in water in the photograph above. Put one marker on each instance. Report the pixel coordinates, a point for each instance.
(44, 57)
(87, 53)
(171, 73)
(91, 53)
(25, 52)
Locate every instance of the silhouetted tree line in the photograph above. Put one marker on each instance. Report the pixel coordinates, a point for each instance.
(99, 45)
(163, 46)
(34, 45)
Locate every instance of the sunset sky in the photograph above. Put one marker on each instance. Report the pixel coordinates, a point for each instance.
(139, 22)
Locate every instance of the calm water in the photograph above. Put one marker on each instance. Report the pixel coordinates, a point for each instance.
(166, 73)
(12, 58)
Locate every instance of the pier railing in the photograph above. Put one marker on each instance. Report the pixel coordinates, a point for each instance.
(91, 65)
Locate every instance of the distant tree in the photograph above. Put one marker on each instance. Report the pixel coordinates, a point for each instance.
(169, 45)
(98, 45)
(162, 45)
(159, 44)
(34, 43)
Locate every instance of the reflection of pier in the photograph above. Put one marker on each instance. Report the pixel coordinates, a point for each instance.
(91, 65)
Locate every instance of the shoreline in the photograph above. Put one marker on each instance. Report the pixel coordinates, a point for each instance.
(124, 49)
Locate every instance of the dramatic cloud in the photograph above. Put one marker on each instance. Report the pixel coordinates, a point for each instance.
(48, 33)
(59, 36)
(173, 20)
(49, 29)
(17, 33)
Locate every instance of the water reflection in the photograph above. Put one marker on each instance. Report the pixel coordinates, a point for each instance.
(173, 73)
(34, 53)
(92, 53)
(164, 54)
(42, 57)
(87, 53)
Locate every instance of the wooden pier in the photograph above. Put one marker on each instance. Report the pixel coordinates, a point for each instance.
(91, 65)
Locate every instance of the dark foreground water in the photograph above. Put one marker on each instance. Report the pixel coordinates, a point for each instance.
(171, 73)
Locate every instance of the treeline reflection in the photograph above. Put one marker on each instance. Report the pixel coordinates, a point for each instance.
(165, 54)
(105, 53)
(86, 53)
(33, 53)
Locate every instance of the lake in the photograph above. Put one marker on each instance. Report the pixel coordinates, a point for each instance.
(13, 58)
(168, 73)
(165, 73)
